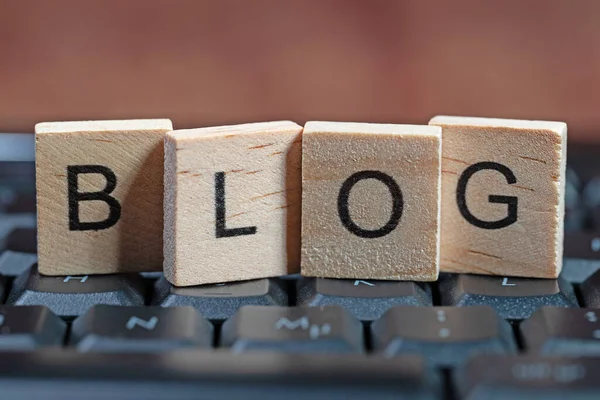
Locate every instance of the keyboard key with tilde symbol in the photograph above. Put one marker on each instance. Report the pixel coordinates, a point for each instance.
(140, 329)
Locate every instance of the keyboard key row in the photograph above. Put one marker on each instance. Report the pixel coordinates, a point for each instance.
(328, 329)
(444, 336)
(404, 377)
(192, 372)
(105, 328)
(367, 300)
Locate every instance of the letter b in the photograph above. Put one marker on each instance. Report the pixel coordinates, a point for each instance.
(75, 196)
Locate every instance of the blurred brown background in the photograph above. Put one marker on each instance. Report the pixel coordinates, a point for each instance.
(203, 63)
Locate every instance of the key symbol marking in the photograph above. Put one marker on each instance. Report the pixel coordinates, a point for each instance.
(302, 323)
(568, 373)
(591, 316)
(81, 279)
(358, 282)
(441, 316)
(505, 283)
(595, 244)
(531, 371)
(315, 331)
(444, 332)
(148, 325)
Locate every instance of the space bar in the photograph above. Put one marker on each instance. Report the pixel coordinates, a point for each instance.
(65, 374)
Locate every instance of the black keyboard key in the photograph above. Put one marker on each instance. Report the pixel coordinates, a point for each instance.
(582, 245)
(152, 275)
(575, 213)
(512, 298)
(591, 201)
(577, 270)
(590, 291)
(30, 327)
(140, 329)
(528, 377)
(293, 329)
(17, 232)
(3, 288)
(444, 336)
(204, 374)
(367, 300)
(23, 240)
(219, 302)
(14, 263)
(23, 202)
(17, 185)
(69, 296)
(563, 331)
(16, 195)
(583, 158)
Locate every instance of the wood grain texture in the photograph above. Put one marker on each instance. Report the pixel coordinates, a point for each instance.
(259, 167)
(133, 151)
(528, 245)
(409, 155)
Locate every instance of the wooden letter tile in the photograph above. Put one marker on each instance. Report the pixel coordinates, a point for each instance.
(502, 196)
(370, 202)
(99, 196)
(232, 202)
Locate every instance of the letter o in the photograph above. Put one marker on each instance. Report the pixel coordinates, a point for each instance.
(397, 204)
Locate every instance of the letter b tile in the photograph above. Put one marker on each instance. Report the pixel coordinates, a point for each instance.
(502, 196)
(99, 196)
(371, 201)
(232, 203)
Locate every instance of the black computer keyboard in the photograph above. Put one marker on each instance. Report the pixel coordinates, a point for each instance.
(462, 337)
